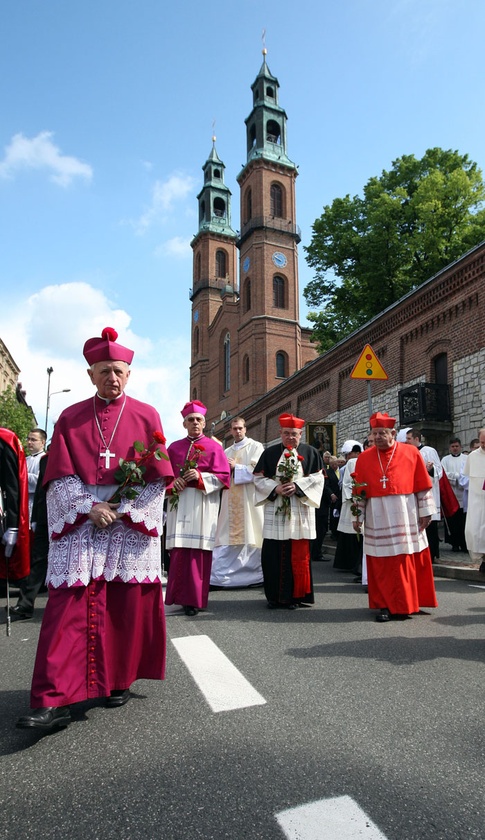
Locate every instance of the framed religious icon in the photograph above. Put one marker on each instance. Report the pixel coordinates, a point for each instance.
(323, 436)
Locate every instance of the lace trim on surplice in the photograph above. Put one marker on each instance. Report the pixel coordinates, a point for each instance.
(87, 552)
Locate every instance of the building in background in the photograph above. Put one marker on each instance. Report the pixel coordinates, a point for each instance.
(250, 355)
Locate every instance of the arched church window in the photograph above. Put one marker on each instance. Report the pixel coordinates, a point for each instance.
(278, 292)
(197, 267)
(227, 362)
(219, 207)
(281, 365)
(270, 91)
(245, 369)
(276, 201)
(221, 263)
(202, 212)
(217, 173)
(247, 295)
(194, 393)
(196, 341)
(252, 137)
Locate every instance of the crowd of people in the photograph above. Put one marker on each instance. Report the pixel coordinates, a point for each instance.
(86, 519)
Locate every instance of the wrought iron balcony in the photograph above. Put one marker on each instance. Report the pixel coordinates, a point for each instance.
(424, 402)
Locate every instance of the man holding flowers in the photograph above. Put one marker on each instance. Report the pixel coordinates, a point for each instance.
(201, 471)
(104, 623)
(289, 483)
(393, 494)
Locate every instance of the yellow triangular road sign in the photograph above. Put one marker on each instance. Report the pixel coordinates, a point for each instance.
(368, 366)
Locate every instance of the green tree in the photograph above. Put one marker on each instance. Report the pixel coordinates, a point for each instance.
(15, 416)
(369, 251)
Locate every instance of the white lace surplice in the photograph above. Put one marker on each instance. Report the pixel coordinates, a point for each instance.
(87, 552)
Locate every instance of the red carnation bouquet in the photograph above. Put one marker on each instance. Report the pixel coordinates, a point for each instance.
(190, 463)
(287, 471)
(130, 473)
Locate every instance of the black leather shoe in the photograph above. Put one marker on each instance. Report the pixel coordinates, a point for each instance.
(19, 614)
(118, 698)
(47, 718)
(384, 615)
(190, 611)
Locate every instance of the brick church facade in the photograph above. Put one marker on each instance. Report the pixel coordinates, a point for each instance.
(250, 355)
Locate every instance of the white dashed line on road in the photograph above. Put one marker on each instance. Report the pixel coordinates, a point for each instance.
(328, 819)
(222, 685)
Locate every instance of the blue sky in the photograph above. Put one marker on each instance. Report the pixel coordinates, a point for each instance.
(107, 113)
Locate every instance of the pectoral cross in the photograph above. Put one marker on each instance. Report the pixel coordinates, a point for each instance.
(384, 481)
(107, 455)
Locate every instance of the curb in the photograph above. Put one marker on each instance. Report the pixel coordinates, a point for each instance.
(439, 570)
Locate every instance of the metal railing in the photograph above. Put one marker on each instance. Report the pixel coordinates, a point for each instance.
(424, 401)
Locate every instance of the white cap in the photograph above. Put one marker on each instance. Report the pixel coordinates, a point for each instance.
(347, 446)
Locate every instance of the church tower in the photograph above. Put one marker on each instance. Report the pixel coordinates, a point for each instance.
(246, 338)
(214, 274)
(270, 337)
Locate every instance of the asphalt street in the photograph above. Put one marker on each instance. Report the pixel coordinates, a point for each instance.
(390, 715)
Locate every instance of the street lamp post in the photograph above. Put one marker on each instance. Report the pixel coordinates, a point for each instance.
(49, 371)
(49, 395)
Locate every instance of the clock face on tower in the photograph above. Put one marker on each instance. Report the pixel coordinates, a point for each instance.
(279, 259)
(246, 264)
(196, 316)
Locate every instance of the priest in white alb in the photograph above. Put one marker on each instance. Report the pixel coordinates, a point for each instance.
(236, 559)
(474, 470)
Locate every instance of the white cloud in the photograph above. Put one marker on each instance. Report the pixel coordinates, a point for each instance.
(165, 194)
(49, 330)
(178, 246)
(41, 153)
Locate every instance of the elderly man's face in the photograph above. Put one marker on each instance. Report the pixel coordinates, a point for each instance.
(291, 437)
(110, 378)
(195, 424)
(384, 438)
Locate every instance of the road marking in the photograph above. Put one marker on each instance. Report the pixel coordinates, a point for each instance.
(328, 819)
(222, 685)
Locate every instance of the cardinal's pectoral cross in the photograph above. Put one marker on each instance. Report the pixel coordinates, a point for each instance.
(107, 455)
(384, 481)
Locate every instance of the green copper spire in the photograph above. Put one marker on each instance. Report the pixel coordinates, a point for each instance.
(215, 198)
(266, 124)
